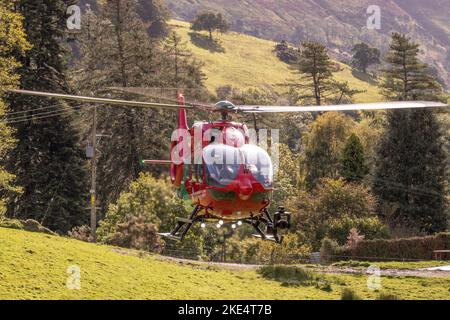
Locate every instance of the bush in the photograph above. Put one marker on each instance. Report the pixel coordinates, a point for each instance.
(349, 294)
(11, 224)
(27, 225)
(387, 296)
(82, 233)
(255, 251)
(369, 227)
(136, 233)
(289, 275)
(331, 250)
(332, 209)
(147, 197)
(417, 248)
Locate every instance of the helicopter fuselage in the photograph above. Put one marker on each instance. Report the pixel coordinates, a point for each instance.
(224, 180)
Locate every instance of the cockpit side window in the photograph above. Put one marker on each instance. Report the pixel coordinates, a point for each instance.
(258, 162)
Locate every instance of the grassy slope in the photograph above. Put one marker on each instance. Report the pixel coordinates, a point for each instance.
(249, 62)
(33, 266)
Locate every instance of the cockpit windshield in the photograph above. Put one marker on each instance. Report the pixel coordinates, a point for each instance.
(223, 163)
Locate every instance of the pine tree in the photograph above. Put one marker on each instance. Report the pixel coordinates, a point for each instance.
(48, 161)
(12, 40)
(353, 163)
(407, 78)
(316, 70)
(410, 173)
(315, 67)
(181, 69)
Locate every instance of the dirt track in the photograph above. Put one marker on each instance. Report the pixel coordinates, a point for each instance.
(322, 269)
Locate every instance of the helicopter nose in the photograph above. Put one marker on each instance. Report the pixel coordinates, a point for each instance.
(245, 189)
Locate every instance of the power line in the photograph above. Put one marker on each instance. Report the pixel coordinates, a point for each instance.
(42, 115)
(62, 113)
(38, 114)
(7, 114)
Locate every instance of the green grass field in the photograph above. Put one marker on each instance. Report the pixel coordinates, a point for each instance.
(34, 266)
(244, 61)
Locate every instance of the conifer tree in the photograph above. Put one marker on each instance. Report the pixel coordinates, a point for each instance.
(48, 161)
(410, 173)
(353, 163)
(317, 84)
(407, 78)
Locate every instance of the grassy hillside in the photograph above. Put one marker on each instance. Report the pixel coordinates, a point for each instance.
(338, 24)
(34, 266)
(245, 61)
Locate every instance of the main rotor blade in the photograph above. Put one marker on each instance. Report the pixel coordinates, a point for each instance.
(127, 103)
(343, 107)
(151, 93)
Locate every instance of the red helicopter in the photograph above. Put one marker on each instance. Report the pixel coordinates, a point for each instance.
(233, 182)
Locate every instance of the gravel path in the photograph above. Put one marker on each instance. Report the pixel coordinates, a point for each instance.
(322, 269)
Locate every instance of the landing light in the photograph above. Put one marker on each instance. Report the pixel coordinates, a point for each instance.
(239, 223)
(233, 226)
(203, 225)
(218, 226)
(221, 222)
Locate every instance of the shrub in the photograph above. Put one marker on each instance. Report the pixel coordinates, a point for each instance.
(82, 233)
(256, 251)
(11, 224)
(349, 294)
(147, 197)
(330, 250)
(387, 296)
(289, 274)
(369, 227)
(136, 233)
(420, 248)
(332, 209)
(353, 238)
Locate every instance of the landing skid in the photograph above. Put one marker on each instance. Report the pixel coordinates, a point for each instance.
(280, 220)
(265, 225)
(183, 226)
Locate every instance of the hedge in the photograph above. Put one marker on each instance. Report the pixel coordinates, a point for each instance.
(418, 248)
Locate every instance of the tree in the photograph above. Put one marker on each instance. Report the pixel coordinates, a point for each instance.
(210, 21)
(323, 147)
(181, 70)
(353, 162)
(410, 174)
(155, 15)
(130, 59)
(317, 84)
(364, 56)
(48, 161)
(332, 209)
(316, 69)
(152, 201)
(12, 40)
(407, 78)
(286, 53)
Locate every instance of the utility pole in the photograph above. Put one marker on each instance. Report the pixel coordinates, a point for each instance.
(94, 177)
